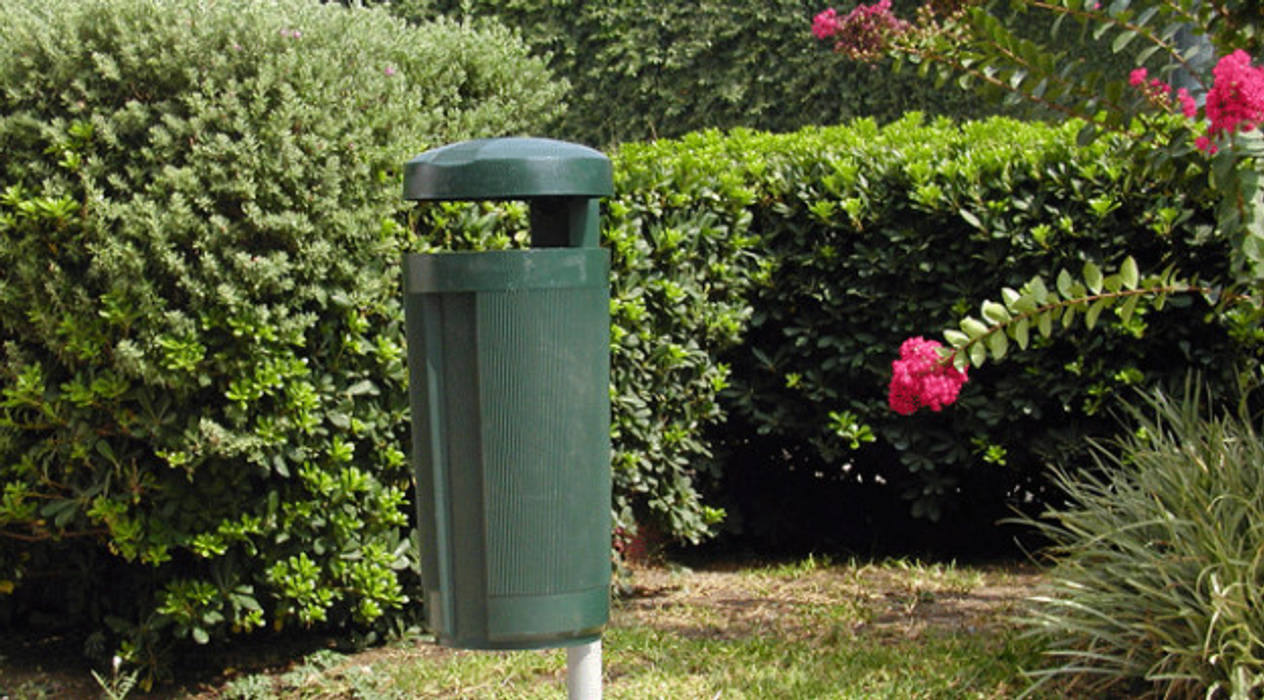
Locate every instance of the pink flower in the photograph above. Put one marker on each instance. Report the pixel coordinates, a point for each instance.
(864, 33)
(922, 378)
(1159, 93)
(825, 25)
(1236, 99)
(1188, 107)
(390, 70)
(1204, 144)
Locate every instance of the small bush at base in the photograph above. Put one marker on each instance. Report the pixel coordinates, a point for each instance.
(1159, 574)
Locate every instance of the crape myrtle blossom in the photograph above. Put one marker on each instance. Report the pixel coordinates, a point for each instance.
(923, 378)
(1236, 99)
(825, 25)
(1159, 93)
(865, 33)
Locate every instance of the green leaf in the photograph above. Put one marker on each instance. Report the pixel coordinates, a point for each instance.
(998, 343)
(1128, 273)
(995, 313)
(1129, 306)
(1064, 284)
(973, 327)
(971, 219)
(1020, 331)
(1090, 316)
(1025, 304)
(978, 354)
(1044, 323)
(955, 337)
(1040, 293)
(1086, 135)
(1011, 297)
(1122, 41)
(1093, 277)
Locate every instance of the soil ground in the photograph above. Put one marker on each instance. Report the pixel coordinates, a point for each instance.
(718, 601)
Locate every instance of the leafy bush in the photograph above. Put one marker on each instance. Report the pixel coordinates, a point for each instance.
(658, 69)
(685, 262)
(202, 419)
(1157, 575)
(655, 69)
(876, 234)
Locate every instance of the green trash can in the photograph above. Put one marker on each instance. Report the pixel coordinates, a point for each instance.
(509, 373)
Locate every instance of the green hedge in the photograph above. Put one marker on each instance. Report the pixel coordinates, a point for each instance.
(649, 69)
(655, 69)
(203, 421)
(870, 235)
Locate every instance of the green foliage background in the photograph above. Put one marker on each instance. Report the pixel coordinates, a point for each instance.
(642, 70)
(659, 69)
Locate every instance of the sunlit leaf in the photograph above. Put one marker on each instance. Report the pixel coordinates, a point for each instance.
(1093, 277)
(1128, 273)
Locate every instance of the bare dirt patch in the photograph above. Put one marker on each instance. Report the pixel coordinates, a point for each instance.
(872, 599)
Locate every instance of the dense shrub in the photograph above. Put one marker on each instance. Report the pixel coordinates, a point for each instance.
(1156, 584)
(658, 69)
(878, 234)
(202, 420)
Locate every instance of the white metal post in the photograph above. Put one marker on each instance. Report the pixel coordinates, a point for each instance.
(583, 671)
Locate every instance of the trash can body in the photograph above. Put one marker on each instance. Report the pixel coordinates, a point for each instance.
(509, 387)
(508, 362)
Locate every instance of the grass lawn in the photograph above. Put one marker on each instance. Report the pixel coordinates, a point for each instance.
(812, 629)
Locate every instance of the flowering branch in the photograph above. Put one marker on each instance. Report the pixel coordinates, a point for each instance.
(1035, 305)
(930, 375)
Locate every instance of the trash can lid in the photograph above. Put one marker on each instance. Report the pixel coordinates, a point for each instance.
(508, 168)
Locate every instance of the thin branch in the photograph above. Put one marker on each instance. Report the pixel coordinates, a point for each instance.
(1172, 50)
(45, 536)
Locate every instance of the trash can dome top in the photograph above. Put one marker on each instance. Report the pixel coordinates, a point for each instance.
(508, 168)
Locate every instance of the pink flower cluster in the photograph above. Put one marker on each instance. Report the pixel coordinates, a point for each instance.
(825, 25)
(864, 33)
(923, 378)
(1159, 92)
(1236, 99)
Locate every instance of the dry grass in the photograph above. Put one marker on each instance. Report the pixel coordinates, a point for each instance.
(893, 598)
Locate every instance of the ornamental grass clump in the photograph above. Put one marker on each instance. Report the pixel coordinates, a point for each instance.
(1159, 577)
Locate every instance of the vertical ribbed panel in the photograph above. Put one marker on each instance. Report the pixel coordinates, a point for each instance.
(547, 378)
(509, 369)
